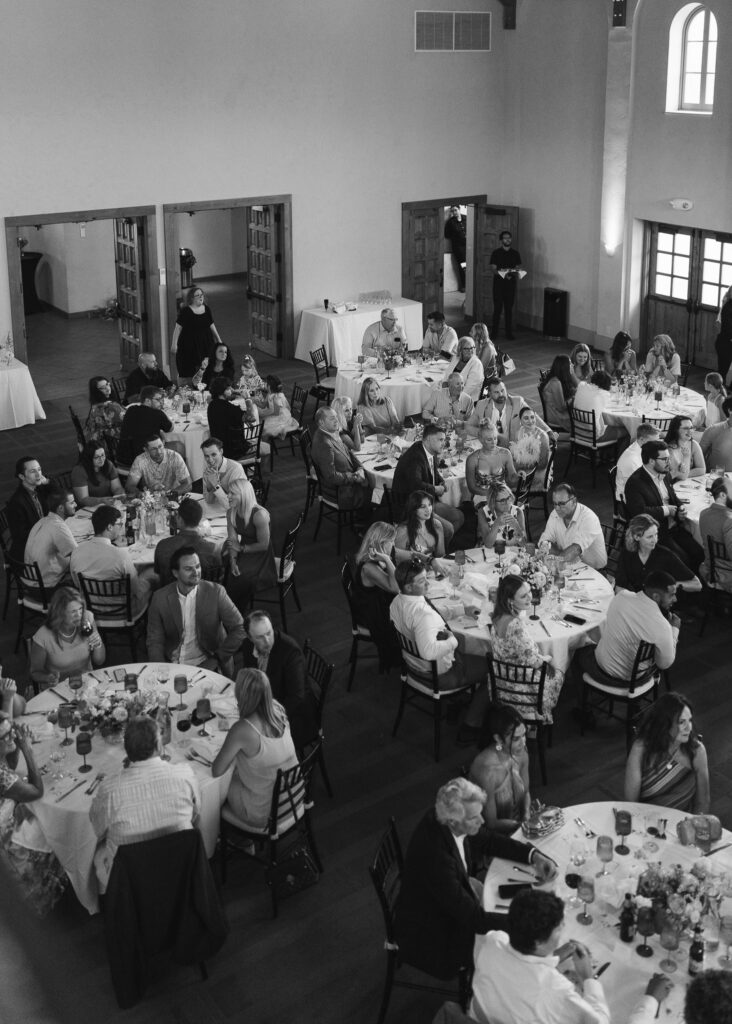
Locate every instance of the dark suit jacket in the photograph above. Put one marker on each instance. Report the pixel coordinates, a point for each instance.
(413, 473)
(642, 496)
(219, 625)
(138, 380)
(287, 674)
(437, 913)
(337, 471)
(22, 517)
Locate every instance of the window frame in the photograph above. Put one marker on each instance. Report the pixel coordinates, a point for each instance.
(678, 56)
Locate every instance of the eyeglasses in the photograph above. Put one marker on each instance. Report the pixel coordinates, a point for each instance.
(562, 504)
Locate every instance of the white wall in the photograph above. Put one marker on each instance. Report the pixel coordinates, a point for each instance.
(210, 234)
(76, 274)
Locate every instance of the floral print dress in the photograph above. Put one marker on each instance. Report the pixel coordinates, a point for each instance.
(105, 420)
(518, 647)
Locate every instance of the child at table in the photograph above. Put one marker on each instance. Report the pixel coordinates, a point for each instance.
(274, 410)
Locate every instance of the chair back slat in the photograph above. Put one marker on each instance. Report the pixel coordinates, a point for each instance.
(614, 537)
(717, 552)
(29, 580)
(386, 874)
(108, 599)
(644, 664)
(320, 363)
(583, 426)
(298, 402)
(320, 673)
(119, 386)
(261, 490)
(521, 686)
(659, 422)
(81, 438)
(288, 548)
(306, 443)
(290, 794)
(6, 539)
(415, 666)
(597, 364)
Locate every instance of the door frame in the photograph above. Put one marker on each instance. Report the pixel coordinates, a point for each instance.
(172, 264)
(17, 314)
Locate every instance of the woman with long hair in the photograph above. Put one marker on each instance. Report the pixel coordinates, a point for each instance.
(501, 769)
(531, 448)
(663, 361)
(621, 358)
(60, 648)
(716, 393)
(105, 416)
(500, 518)
(249, 545)
(349, 423)
(558, 390)
(375, 587)
(470, 368)
(226, 419)
(642, 554)
(377, 410)
(193, 335)
(723, 342)
(94, 478)
(218, 363)
(686, 459)
(421, 534)
(486, 471)
(258, 745)
(581, 359)
(485, 350)
(667, 764)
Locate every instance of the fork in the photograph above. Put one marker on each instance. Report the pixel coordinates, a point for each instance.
(97, 779)
(195, 757)
(589, 834)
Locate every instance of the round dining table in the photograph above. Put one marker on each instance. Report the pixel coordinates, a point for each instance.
(63, 810)
(379, 459)
(694, 492)
(409, 387)
(467, 608)
(627, 974)
(629, 414)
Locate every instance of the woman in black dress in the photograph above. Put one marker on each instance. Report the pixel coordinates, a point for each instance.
(193, 336)
(723, 344)
(375, 587)
(643, 555)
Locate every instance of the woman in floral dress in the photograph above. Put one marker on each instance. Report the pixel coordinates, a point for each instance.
(530, 450)
(486, 470)
(105, 416)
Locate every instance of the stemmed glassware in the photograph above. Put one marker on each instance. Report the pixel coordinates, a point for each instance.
(535, 600)
(725, 936)
(58, 757)
(623, 828)
(65, 721)
(460, 563)
(203, 714)
(586, 892)
(75, 685)
(670, 935)
(83, 747)
(180, 685)
(577, 857)
(604, 853)
(499, 547)
(186, 408)
(657, 396)
(645, 926)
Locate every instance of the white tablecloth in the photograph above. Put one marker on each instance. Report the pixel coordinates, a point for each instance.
(625, 980)
(694, 491)
(19, 403)
(342, 333)
(409, 387)
(689, 403)
(66, 825)
(456, 490)
(192, 437)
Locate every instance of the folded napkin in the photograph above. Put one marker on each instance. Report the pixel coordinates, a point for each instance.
(478, 582)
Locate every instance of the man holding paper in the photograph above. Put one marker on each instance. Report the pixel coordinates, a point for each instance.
(506, 265)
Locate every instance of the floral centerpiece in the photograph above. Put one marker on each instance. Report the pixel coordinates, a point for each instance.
(531, 567)
(391, 361)
(108, 713)
(677, 892)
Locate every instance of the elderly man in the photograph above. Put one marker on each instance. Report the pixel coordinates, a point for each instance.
(439, 339)
(341, 474)
(505, 264)
(518, 977)
(188, 522)
(384, 336)
(146, 374)
(27, 504)
(715, 522)
(100, 558)
(505, 411)
(651, 490)
(573, 530)
(417, 470)
(158, 469)
(50, 542)
(450, 403)
(283, 662)
(141, 422)
(220, 472)
(716, 441)
(594, 397)
(439, 910)
(631, 459)
(192, 621)
(150, 797)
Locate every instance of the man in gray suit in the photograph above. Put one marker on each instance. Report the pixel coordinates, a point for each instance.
(341, 476)
(192, 621)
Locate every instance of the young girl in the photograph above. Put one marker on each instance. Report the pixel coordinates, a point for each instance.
(274, 410)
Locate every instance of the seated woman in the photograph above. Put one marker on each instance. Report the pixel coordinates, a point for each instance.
(531, 448)
(374, 588)
(716, 393)
(643, 555)
(105, 416)
(686, 459)
(274, 410)
(59, 648)
(621, 359)
(94, 478)
(226, 419)
(249, 545)
(667, 764)
(501, 519)
(510, 641)
(501, 769)
(258, 745)
(581, 359)
(377, 411)
(663, 361)
(25, 850)
(250, 380)
(218, 363)
(342, 406)
(485, 350)
(487, 468)
(470, 368)
(421, 534)
(558, 392)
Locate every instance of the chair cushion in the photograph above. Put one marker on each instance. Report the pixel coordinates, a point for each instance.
(283, 577)
(121, 623)
(622, 693)
(284, 826)
(429, 692)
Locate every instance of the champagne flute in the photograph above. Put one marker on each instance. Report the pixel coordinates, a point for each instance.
(83, 747)
(623, 828)
(586, 892)
(725, 935)
(180, 685)
(645, 926)
(604, 853)
(670, 935)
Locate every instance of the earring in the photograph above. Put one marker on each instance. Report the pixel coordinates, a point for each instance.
(499, 746)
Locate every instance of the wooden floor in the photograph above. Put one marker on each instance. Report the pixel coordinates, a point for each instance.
(322, 961)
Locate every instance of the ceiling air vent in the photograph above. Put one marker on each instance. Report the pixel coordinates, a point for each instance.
(447, 31)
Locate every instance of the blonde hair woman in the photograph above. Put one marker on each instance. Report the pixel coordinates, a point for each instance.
(485, 350)
(377, 410)
(581, 359)
(249, 544)
(663, 360)
(342, 406)
(374, 588)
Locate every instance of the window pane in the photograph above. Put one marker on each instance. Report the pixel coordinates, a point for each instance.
(693, 60)
(711, 58)
(665, 242)
(710, 295)
(710, 271)
(727, 252)
(692, 89)
(726, 276)
(663, 285)
(712, 29)
(709, 91)
(695, 29)
(663, 263)
(681, 266)
(680, 288)
(713, 249)
(682, 244)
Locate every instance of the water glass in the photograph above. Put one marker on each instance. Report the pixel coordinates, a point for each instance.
(604, 853)
(586, 892)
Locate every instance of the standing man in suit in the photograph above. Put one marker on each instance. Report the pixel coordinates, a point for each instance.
(439, 910)
(455, 234)
(650, 490)
(283, 662)
(417, 470)
(192, 621)
(339, 469)
(504, 288)
(27, 504)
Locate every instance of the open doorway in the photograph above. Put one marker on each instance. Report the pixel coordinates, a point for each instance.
(457, 261)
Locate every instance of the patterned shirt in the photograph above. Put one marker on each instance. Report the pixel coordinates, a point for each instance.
(168, 475)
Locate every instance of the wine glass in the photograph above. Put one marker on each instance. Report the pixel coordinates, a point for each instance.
(623, 828)
(86, 628)
(703, 834)
(161, 674)
(186, 408)
(83, 747)
(670, 935)
(586, 892)
(180, 685)
(499, 547)
(75, 686)
(645, 926)
(58, 757)
(535, 600)
(577, 857)
(657, 396)
(65, 721)
(203, 714)
(460, 563)
(604, 853)
(725, 936)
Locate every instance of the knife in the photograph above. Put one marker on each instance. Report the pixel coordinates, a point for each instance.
(56, 694)
(64, 795)
(601, 970)
(716, 849)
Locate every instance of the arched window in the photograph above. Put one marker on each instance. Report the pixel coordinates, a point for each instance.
(692, 58)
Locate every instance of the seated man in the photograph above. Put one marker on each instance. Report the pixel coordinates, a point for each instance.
(439, 339)
(341, 474)
(417, 470)
(227, 420)
(158, 469)
(518, 977)
(573, 530)
(188, 521)
(50, 542)
(99, 558)
(595, 397)
(505, 411)
(716, 522)
(27, 504)
(150, 797)
(439, 910)
(192, 621)
(280, 658)
(716, 441)
(450, 403)
(220, 472)
(650, 490)
(146, 374)
(141, 422)
(421, 623)
(631, 459)
(384, 336)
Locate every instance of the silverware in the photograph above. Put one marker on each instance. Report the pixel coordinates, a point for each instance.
(544, 628)
(56, 693)
(589, 834)
(192, 756)
(601, 970)
(523, 871)
(97, 779)
(716, 849)
(64, 795)
(224, 689)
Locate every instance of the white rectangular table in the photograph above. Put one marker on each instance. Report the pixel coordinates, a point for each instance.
(342, 333)
(19, 401)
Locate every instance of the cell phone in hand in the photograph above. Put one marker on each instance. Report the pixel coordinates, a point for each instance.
(510, 889)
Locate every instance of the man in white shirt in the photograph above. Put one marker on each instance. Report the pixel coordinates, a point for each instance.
(448, 403)
(439, 339)
(519, 978)
(158, 468)
(220, 472)
(573, 530)
(505, 411)
(386, 335)
(150, 797)
(595, 397)
(50, 542)
(420, 622)
(100, 558)
(631, 459)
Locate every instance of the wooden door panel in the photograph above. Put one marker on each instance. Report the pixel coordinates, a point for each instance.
(422, 256)
(263, 291)
(131, 275)
(490, 221)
